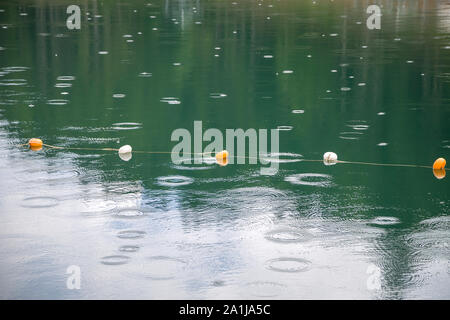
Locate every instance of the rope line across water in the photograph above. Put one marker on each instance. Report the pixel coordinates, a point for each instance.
(244, 157)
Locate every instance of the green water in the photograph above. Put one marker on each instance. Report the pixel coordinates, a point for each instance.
(227, 232)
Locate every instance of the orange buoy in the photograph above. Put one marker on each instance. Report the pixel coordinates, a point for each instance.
(35, 144)
(439, 164)
(35, 148)
(222, 158)
(439, 173)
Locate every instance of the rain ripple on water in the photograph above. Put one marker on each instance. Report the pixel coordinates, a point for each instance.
(384, 221)
(13, 82)
(310, 179)
(174, 181)
(350, 135)
(170, 100)
(129, 214)
(158, 268)
(39, 202)
(290, 265)
(129, 248)
(288, 236)
(65, 78)
(131, 234)
(114, 260)
(217, 95)
(126, 126)
(282, 157)
(57, 102)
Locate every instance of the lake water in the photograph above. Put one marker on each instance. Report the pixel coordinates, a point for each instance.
(149, 229)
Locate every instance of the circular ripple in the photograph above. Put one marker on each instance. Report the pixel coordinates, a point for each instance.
(384, 221)
(114, 260)
(65, 78)
(185, 167)
(129, 248)
(57, 102)
(445, 144)
(170, 100)
(298, 111)
(131, 234)
(174, 181)
(160, 267)
(265, 289)
(289, 265)
(126, 126)
(310, 179)
(129, 214)
(288, 236)
(13, 82)
(285, 128)
(63, 85)
(217, 95)
(350, 135)
(282, 157)
(258, 203)
(208, 160)
(39, 202)
(15, 69)
(358, 126)
(96, 207)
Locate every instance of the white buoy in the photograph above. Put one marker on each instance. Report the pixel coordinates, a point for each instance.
(330, 158)
(125, 156)
(125, 152)
(125, 149)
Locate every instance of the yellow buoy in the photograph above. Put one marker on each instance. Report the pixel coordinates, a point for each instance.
(35, 144)
(439, 164)
(439, 173)
(222, 158)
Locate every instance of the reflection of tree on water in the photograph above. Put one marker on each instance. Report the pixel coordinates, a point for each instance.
(183, 12)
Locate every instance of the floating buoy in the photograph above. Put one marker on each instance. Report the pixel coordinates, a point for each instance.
(125, 156)
(439, 173)
(329, 158)
(34, 148)
(439, 164)
(125, 149)
(125, 152)
(222, 158)
(35, 144)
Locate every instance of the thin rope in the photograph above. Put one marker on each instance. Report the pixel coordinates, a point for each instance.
(244, 157)
(387, 164)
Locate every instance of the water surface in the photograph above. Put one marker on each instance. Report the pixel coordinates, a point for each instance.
(147, 228)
